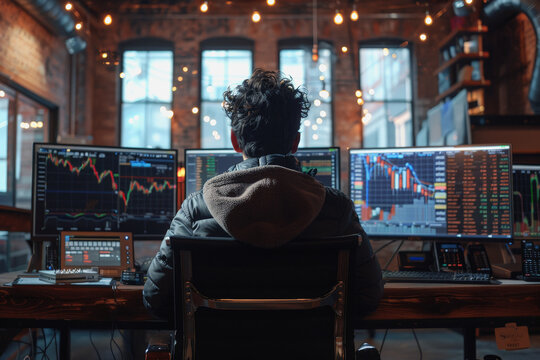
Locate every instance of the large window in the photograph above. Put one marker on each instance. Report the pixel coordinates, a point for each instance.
(23, 121)
(385, 81)
(147, 78)
(221, 68)
(316, 78)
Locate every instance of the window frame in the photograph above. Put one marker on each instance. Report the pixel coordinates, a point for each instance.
(306, 43)
(141, 44)
(391, 43)
(220, 43)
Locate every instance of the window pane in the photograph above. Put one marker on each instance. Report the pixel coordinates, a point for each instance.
(316, 78)
(220, 69)
(146, 98)
(146, 125)
(3, 175)
(385, 74)
(387, 124)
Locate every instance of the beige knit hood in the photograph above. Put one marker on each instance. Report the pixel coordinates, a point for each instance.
(265, 206)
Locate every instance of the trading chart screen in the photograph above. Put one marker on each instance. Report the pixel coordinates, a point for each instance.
(89, 188)
(204, 164)
(456, 192)
(526, 198)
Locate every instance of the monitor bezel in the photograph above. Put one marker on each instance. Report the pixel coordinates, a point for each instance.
(337, 149)
(54, 237)
(439, 238)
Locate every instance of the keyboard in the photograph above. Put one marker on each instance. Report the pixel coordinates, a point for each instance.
(436, 277)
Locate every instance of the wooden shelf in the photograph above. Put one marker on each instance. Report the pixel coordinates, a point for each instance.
(462, 58)
(464, 31)
(467, 84)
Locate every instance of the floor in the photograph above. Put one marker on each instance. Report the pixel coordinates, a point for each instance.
(433, 344)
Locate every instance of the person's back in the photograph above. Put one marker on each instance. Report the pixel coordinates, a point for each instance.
(266, 197)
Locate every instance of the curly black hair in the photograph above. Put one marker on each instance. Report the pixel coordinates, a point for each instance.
(265, 112)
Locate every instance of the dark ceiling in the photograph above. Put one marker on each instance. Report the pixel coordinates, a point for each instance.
(364, 7)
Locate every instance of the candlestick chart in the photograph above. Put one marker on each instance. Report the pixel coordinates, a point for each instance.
(396, 193)
(104, 190)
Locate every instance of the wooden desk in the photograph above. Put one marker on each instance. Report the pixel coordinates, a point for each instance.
(403, 306)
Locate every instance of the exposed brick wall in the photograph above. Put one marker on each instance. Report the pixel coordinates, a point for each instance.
(32, 57)
(188, 33)
(512, 49)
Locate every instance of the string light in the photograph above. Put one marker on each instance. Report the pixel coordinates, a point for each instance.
(360, 101)
(354, 13)
(468, 2)
(324, 93)
(122, 75)
(180, 78)
(338, 18)
(204, 7)
(428, 20)
(107, 20)
(271, 2)
(195, 110)
(2, 93)
(344, 49)
(255, 17)
(423, 37)
(78, 26)
(358, 93)
(185, 69)
(69, 6)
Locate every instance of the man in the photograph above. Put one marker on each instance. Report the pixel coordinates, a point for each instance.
(266, 199)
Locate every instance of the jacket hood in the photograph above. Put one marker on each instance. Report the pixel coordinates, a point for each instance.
(265, 206)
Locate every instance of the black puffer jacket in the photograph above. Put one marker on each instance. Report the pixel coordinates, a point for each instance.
(266, 199)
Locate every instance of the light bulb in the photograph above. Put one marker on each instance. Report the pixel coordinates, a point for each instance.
(69, 6)
(423, 37)
(354, 15)
(468, 2)
(78, 26)
(428, 20)
(338, 18)
(344, 49)
(107, 20)
(271, 2)
(204, 7)
(255, 17)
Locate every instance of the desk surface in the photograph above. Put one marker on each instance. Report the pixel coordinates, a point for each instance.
(401, 302)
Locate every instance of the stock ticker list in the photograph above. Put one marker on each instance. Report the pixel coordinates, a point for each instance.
(478, 193)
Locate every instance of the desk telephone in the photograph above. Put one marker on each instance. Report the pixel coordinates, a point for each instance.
(447, 257)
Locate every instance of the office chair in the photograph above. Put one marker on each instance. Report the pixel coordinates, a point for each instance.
(235, 301)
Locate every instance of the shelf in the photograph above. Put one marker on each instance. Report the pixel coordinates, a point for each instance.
(463, 57)
(467, 84)
(464, 31)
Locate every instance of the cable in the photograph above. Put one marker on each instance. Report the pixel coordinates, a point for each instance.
(417, 343)
(383, 340)
(393, 255)
(385, 245)
(55, 344)
(94, 345)
(110, 343)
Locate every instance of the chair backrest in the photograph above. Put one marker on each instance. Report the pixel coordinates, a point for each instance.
(236, 301)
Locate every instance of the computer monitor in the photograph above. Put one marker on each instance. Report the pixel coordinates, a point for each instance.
(96, 188)
(526, 201)
(461, 192)
(203, 164)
